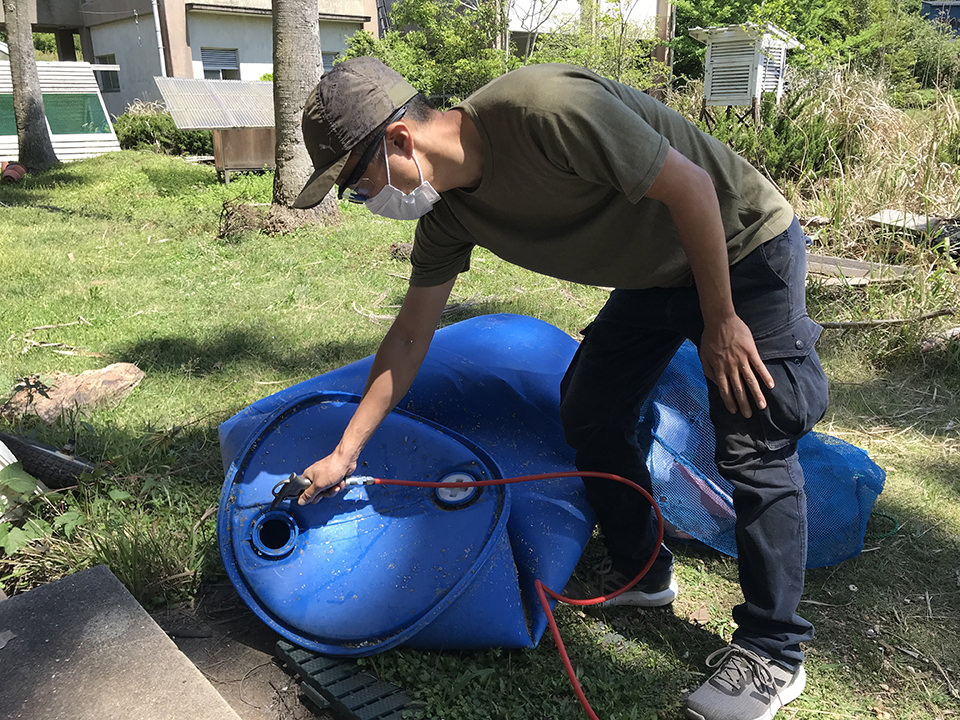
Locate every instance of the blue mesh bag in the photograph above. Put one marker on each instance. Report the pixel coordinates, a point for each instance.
(841, 481)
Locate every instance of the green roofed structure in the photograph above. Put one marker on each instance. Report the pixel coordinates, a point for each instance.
(76, 115)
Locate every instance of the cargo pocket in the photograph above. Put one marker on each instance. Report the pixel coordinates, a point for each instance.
(798, 400)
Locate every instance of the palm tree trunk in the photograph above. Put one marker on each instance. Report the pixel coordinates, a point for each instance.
(297, 66)
(33, 137)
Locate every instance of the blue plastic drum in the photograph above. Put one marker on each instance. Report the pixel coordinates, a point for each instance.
(381, 566)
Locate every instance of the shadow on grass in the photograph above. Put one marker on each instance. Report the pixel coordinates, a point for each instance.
(182, 178)
(39, 189)
(238, 349)
(620, 677)
(891, 616)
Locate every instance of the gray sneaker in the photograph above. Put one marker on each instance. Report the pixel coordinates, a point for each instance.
(746, 686)
(649, 592)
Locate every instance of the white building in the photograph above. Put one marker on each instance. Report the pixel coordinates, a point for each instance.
(142, 39)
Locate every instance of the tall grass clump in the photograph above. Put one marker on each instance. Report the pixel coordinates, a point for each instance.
(902, 163)
(153, 537)
(898, 167)
(790, 142)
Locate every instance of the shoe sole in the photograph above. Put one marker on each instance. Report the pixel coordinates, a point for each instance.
(790, 693)
(635, 598)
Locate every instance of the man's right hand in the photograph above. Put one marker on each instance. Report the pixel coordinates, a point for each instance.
(394, 367)
(326, 478)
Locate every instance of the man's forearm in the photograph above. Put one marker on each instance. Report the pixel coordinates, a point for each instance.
(394, 368)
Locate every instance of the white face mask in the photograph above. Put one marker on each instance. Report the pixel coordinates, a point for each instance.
(392, 202)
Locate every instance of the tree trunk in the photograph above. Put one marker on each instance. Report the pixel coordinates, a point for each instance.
(297, 66)
(33, 137)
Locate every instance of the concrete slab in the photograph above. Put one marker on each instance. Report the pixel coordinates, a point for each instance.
(82, 648)
(899, 220)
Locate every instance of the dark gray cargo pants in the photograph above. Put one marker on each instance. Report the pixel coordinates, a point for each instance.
(622, 356)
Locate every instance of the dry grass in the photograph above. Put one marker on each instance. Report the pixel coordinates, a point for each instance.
(894, 165)
(890, 160)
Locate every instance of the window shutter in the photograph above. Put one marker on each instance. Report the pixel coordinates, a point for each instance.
(216, 59)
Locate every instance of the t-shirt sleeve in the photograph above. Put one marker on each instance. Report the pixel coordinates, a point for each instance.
(601, 136)
(441, 250)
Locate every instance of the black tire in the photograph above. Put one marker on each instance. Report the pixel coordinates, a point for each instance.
(54, 468)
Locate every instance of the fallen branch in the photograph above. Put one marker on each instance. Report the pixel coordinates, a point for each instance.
(81, 321)
(950, 687)
(927, 657)
(888, 321)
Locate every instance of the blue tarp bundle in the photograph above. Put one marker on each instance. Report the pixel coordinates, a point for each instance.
(840, 480)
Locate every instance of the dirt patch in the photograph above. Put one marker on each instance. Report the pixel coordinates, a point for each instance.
(401, 251)
(233, 649)
(237, 218)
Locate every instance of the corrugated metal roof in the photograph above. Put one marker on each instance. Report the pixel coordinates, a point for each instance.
(214, 104)
(63, 77)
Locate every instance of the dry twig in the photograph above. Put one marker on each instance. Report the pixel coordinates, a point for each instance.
(888, 321)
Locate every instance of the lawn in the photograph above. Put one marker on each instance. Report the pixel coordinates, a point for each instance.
(118, 258)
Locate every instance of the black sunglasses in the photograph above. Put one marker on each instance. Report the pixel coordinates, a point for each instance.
(361, 167)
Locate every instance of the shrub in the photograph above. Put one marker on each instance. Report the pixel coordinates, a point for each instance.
(147, 126)
(792, 140)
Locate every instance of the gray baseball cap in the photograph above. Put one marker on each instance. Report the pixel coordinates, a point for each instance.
(349, 103)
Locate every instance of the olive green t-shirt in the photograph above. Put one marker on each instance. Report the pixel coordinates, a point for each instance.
(567, 159)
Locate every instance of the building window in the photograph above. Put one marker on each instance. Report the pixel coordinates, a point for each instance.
(220, 64)
(8, 121)
(328, 60)
(67, 114)
(109, 80)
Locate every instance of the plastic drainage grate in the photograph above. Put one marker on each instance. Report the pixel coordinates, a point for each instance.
(341, 686)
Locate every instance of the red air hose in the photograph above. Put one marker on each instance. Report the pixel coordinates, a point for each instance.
(542, 590)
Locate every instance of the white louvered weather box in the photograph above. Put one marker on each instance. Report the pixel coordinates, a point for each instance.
(743, 61)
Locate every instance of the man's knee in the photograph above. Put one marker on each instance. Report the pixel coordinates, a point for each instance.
(579, 421)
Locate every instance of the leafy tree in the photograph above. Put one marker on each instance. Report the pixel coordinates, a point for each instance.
(823, 26)
(689, 53)
(448, 49)
(45, 45)
(885, 37)
(445, 49)
(605, 40)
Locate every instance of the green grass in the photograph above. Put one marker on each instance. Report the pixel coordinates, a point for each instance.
(120, 255)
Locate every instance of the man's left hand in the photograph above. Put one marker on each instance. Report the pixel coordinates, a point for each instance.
(730, 359)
